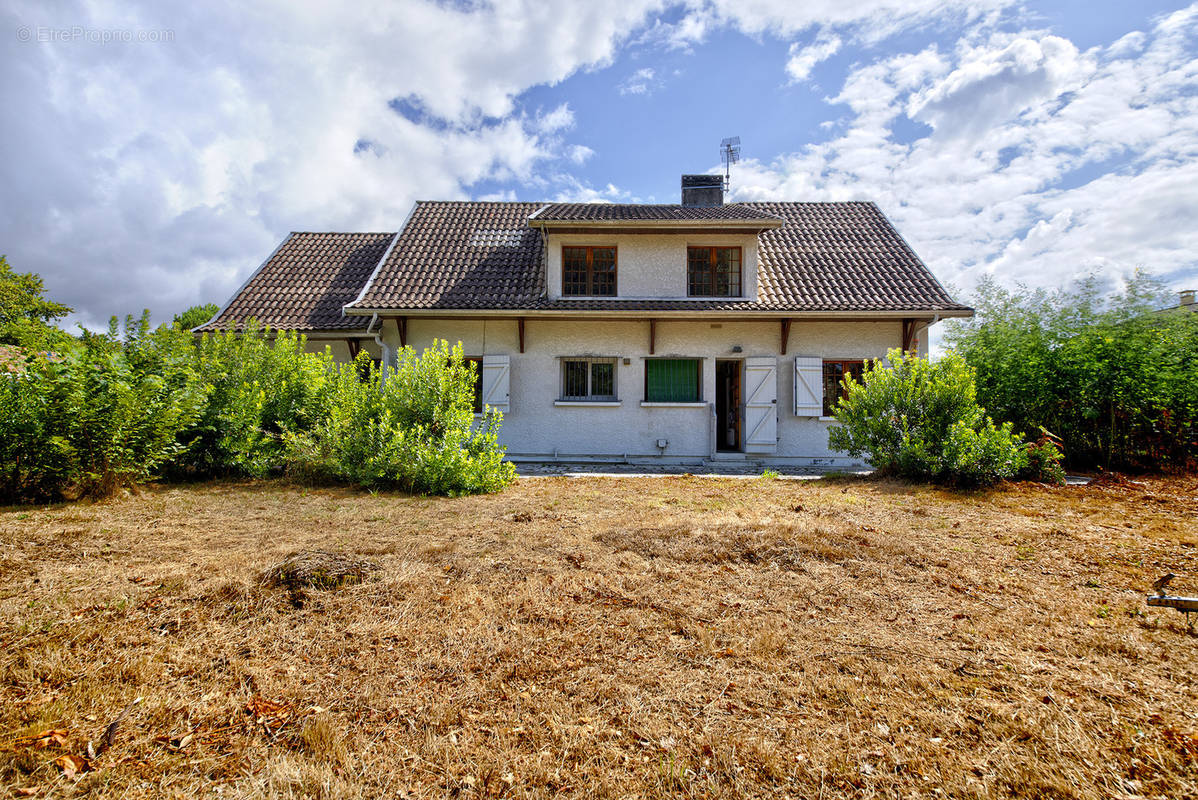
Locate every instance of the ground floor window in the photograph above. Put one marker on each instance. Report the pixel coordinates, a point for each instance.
(478, 382)
(834, 375)
(673, 380)
(588, 379)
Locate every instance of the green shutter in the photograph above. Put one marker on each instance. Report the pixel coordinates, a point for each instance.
(672, 380)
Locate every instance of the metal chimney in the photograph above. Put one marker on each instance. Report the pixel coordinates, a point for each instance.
(702, 190)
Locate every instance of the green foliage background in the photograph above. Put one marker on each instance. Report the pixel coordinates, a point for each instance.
(1111, 374)
(122, 407)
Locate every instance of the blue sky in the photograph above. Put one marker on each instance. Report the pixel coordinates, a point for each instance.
(155, 154)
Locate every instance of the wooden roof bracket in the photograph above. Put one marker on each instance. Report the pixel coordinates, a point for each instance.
(652, 336)
(908, 334)
(520, 330)
(785, 334)
(402, 324)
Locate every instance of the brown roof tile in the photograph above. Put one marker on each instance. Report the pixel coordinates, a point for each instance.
(824, 257)
(305, 283)
(613, 212)
(462, 255)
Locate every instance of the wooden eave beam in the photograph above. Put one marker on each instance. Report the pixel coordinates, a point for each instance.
(908, 334)
(520, 330)
(652, 336)
(785, 334)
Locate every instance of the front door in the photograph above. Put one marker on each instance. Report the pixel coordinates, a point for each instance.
(727, 405)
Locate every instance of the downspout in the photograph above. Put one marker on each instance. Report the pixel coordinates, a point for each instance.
(384, 348)
(925, 329)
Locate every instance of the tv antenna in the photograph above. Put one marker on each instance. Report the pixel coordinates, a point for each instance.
(730, 153)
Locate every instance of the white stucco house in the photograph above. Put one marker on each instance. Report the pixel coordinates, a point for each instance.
(662, 333)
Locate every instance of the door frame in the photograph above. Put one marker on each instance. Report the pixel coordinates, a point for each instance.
(734, 367)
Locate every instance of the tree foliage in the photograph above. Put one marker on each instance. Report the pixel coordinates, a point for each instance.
(26, 316)
(259, 385)
(195, 316)
(1111, 375)
(415, 431)
(106, 415)
(920, 419)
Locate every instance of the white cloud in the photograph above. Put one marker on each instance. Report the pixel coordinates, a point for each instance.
(803, 59)
(1043, 162)
(643, 81)
(160, 173)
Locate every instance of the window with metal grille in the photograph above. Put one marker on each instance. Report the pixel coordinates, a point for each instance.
(588, 379)
(589, 271)
(713, 271)
(834, 374)
(672, 380)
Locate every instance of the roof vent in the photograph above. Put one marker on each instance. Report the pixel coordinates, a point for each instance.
(1187, 297)
(702, 190)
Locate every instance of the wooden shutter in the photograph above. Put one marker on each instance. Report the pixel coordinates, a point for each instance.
(809, 386)
(761, 401)
(496, 372)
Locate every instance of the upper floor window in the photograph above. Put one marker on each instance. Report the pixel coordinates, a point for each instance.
(713, 271)
(589, 271)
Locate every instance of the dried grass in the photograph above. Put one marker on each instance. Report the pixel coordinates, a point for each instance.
(606, 637)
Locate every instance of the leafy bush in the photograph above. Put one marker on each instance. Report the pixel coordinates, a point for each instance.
(921, 420)
(1043, 463)
(415, 431)
(105, 416)
(1113, 376)
(259, 386)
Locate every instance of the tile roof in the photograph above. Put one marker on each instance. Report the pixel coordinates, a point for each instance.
(824, 257)
(842, 257)
(462, 255)
(305, 283)
(615, 212)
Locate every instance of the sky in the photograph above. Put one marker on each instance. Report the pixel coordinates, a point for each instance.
(155, 153)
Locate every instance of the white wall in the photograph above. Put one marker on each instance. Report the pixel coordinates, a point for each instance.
(535, 426)
(653, 265)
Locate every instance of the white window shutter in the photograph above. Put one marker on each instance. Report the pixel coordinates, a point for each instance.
(809, 386)
(761, 401)
(496, 376)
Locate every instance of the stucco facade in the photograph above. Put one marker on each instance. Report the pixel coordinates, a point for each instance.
(539, 425)
(651, 265)
(655, 348)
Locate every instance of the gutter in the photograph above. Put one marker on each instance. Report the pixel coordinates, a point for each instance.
(763, 315)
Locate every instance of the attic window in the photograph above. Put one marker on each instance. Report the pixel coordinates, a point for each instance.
(497, 238)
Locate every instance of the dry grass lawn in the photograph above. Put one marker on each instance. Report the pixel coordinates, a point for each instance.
(609, 637)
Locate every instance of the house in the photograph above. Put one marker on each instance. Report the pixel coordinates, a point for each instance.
(679, 333)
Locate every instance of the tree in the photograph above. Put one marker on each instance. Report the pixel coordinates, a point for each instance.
(196, 316)
(1114, 378)
(26, 316)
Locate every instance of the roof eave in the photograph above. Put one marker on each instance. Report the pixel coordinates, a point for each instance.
(641, 313)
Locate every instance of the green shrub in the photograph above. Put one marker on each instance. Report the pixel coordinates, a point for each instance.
(1044, 462)
(107, 415)
(918, 419)
(415, 431)
(1111, 374)
(260, 384)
